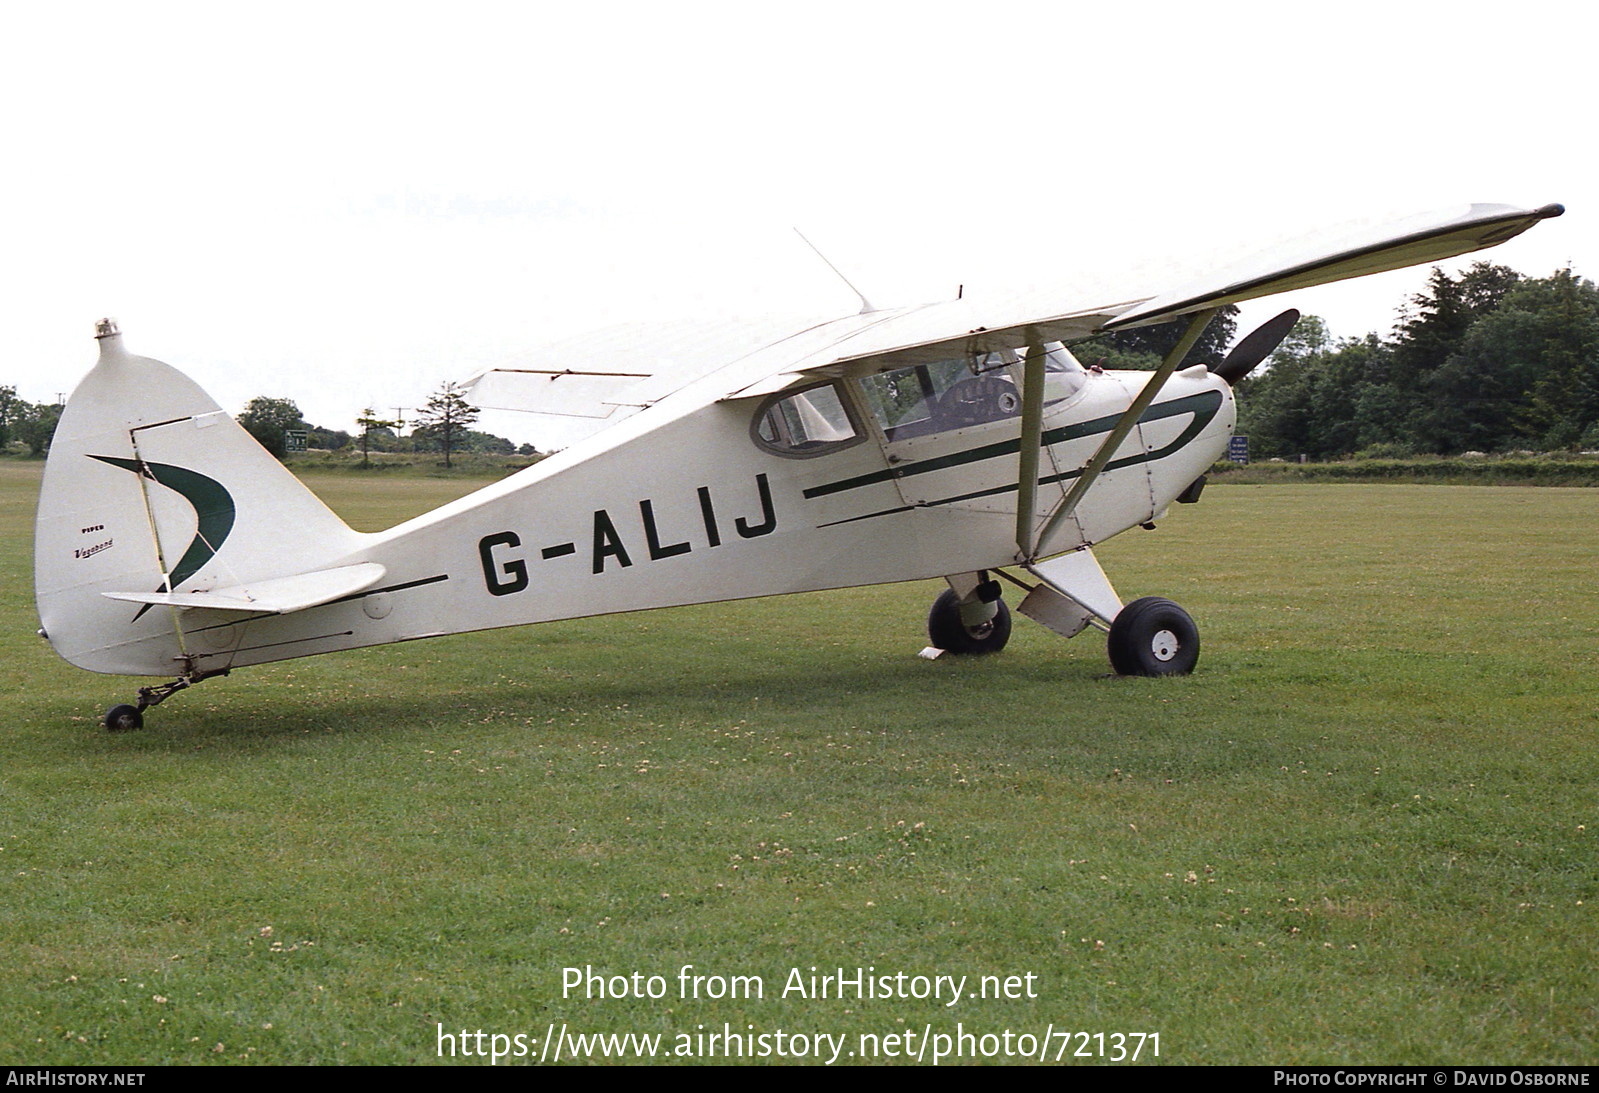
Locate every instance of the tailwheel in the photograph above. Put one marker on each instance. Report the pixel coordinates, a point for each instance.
(1153, 637)
(126, 718)
(973, 630)
(123, 718)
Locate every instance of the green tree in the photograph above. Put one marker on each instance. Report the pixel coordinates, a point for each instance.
(1560, 330)
(268, 419)
(1361, 369)
(1145, 347)
(36, 426)
(1485, 361)
(374, 430)
(332, 440)
(10, 408)
(1524, 374)
(474, 441)
(1275, 403)
(445, 417)
(1431, 331)
(1317, 398)
(1479, 395)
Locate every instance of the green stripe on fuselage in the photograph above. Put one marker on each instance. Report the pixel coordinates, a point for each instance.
(1203, 406)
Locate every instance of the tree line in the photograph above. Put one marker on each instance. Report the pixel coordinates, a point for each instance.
(1487, 361)
(443, 424)
(30, 423)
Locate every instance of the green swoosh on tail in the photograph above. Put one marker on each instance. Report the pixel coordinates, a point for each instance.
(213, 506)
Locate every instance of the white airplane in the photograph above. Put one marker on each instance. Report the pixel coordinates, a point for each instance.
(886, 446)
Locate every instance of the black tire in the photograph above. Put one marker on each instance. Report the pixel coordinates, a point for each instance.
(1153, 637)
(123, 719)
(946, 631)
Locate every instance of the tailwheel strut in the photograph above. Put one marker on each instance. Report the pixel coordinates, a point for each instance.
(126, 718)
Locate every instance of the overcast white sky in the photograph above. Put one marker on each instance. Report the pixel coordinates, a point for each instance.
(346, 204)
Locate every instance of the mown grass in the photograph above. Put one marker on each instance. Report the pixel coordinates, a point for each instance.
(1362, 832)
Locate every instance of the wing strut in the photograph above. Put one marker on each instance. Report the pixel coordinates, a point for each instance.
(1032, 441)
(1124, 425)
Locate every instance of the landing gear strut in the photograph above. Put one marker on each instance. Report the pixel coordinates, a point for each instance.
(125, 718)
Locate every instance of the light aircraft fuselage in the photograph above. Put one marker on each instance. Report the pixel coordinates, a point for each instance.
(730, 460)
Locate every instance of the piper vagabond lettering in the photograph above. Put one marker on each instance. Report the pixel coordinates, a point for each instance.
(892, 445)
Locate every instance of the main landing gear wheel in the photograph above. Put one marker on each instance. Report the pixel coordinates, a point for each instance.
(123, 719)
(1153, 637)
(949, 632)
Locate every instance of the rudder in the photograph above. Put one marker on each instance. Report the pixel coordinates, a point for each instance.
(152, 487)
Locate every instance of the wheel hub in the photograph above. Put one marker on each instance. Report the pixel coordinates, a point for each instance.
(1164, 645)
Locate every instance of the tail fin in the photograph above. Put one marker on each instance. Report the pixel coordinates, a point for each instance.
(152, 488)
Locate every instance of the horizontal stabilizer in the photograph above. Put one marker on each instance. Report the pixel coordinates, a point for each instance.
(1411, 242)
(278, 596)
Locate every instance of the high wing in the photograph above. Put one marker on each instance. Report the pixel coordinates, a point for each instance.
(1410, 242)
(956, 328)
(609, 376)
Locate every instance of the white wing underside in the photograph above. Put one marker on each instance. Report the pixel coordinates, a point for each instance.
(598, 379)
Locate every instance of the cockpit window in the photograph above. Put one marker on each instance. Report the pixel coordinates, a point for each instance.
(805, 423)
(954, 394)
(1063, 375)
(931, 398)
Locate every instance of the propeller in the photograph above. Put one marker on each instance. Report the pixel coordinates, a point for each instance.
(1256, 347)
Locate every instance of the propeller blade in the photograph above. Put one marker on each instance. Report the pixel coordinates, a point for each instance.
(1256, 347)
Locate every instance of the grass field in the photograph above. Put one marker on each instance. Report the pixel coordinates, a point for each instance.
(1364, 831)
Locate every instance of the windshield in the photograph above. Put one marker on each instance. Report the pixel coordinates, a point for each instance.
(955, 394)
